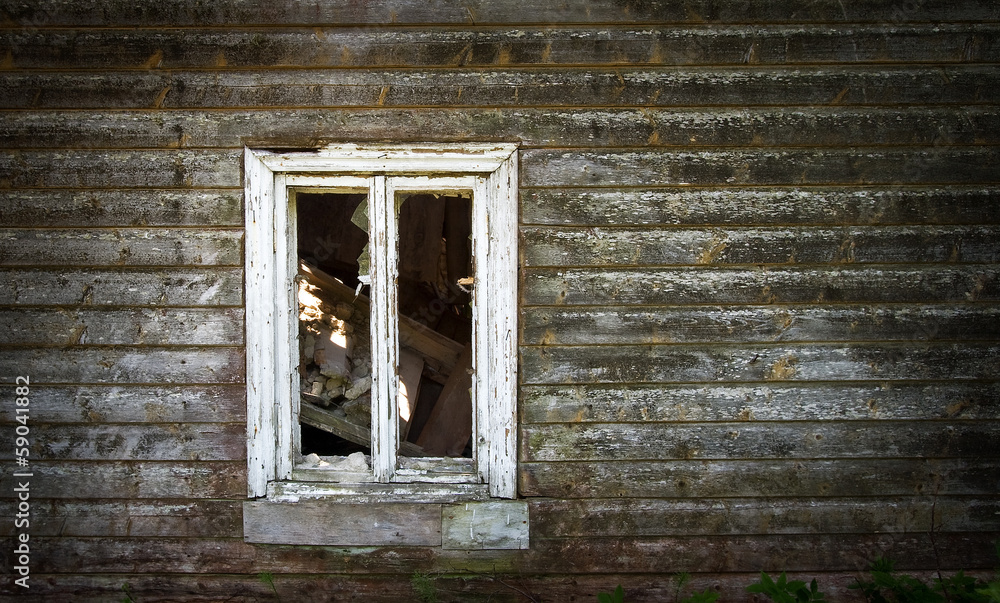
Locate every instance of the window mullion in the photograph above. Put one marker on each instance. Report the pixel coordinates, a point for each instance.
(481, 352)
(286, 329)
(385, 345)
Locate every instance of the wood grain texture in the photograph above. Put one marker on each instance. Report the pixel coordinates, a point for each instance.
(509, 87)
(642, 588)
(228, 556)
(449, 427)
(580, 556)
(115, 169)
(116, 404)
(134, 287)
(759, 402)
(121, 247)
(372, 492)
(493, 524)
(322, 523)
(596, 246)
(697, 363)
(110, 208)
(488, 47)
(653, 126)
(752, 478)
(766, 285)
(146, 442)
(842, 206)
(84, 480)
(665, 517)
(759, 440)
(740, 553)
(556, 168)
(757, 324)
(121, 365)
(170, 518)
(211, 588)
(121, 326)
(758, 283)
(484, 12)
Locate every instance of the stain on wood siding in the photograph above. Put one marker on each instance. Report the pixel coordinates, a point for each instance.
(709, 403)
(652, 127)
(759, 478)
(486, 12)
(597, 246)
(117, 404)
(805, 552)
(928, 283)
(52, 286)
(114, 208)
(657, 86)
(129, 480)
(434, 47)
(763, 206)
(608, 325)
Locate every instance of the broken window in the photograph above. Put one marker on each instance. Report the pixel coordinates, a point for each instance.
(434, 277)
(387, 360)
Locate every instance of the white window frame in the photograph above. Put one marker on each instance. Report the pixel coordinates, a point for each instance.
(270, 177)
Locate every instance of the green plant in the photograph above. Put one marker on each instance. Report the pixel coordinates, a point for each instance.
(784, 591)
(616, 597)
(991, 592)
(423, 585)
(680, 580)
(961, 589)
(706, 596)
(885, 586)
(268, 579)
(127, 589)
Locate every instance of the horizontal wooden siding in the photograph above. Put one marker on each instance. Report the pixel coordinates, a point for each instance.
(759, 281)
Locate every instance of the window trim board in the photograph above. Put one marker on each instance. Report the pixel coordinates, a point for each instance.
(270, 233)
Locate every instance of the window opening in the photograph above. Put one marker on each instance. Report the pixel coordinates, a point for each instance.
(433, 290)
(334, 340)
(422, 233)
(434, 286)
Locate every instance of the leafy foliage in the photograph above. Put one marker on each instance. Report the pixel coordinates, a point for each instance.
(991, 592)
(961, 589)
(784, 591)
(423, 585)
(268, 579)
(680, 580)
(885, 586)
(127, 589)
(706, 596)
(616, 597)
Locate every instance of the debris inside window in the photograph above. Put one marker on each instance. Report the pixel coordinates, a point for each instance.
(435, 326)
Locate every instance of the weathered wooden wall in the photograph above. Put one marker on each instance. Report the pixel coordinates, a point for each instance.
(759, 280)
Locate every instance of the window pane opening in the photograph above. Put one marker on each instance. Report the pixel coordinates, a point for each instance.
(335, 361)
(434, 290)
(434, 282)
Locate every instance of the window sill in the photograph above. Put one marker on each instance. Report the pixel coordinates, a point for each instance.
(374, 493)
(411, 470)
(341, 516)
